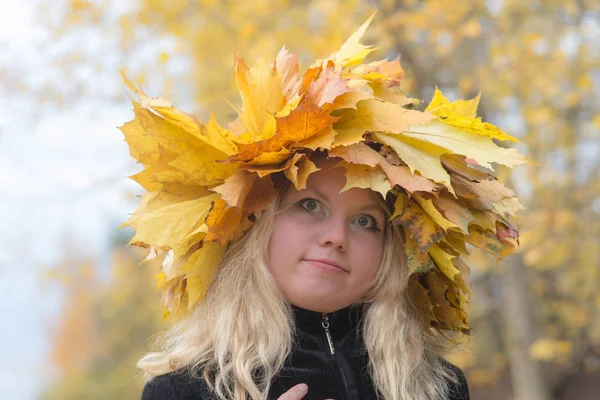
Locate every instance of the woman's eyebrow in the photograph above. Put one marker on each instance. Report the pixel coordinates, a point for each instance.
(321, 194)
(375, 207)
(316, 191)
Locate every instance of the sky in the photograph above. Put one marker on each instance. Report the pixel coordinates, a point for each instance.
(62, 184)
(49, 200)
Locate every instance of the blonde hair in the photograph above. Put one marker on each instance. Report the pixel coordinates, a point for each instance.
(242, 333)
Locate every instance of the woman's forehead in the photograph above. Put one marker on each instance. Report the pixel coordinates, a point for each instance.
(329, 181)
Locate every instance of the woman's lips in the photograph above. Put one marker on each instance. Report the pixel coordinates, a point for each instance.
(324, 265)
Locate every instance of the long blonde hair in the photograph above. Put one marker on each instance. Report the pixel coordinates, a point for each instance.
(242, 333)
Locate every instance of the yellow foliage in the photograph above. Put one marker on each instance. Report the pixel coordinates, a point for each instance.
(546, 349)
(337, 104)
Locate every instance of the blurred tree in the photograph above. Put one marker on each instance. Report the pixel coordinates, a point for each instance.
(104, 329)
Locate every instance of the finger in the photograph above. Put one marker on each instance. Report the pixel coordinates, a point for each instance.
(295, 393)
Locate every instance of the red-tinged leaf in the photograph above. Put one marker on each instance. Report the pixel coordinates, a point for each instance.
(425, 231)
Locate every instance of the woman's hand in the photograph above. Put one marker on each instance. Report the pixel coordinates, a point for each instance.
(296, 393)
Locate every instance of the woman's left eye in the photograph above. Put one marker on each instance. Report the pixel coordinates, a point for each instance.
(367, 221)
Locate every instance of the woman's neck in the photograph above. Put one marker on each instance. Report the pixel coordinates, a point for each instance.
(341, 322)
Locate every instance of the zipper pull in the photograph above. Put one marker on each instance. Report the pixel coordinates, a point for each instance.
(325, 325)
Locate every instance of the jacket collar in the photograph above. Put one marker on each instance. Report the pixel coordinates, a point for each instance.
(341, 322)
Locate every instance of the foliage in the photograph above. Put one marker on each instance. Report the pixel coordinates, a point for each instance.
(104, 329)
(205, 181)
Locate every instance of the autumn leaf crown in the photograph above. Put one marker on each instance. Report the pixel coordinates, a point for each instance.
(204, 182)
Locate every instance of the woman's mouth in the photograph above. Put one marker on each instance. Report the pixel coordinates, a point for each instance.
(326, 265)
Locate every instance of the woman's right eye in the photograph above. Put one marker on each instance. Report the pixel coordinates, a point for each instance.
(310, 204)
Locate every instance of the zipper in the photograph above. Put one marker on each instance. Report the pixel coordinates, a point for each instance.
(325, 325)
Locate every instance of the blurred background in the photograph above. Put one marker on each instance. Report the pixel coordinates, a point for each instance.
(79, 310)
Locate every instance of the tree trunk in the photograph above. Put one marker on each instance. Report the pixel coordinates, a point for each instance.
(528, 382)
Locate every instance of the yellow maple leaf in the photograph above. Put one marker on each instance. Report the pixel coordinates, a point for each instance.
(152, 178)
(186, 123)
(398, 206)
(262, 96)
(160, 130)
(173, 295)
(488, 194)
(428, 206)
(169, 225)
(362, 176)
(360, 153)
(420, 298)
(443, 261)
(195, 169)
(402, 176)
(457, 163)
(143, 150)
(418, 155)
(304, 122)
(219, 137)
(484, 219)
(321, 140)
(352, 51)
(270, 158)
(374, 115)
(286, 64)
(493, 190)
(392, 94)
(200, 268)
(459, 141)
(509, 206)
(440, 104)
(222, 222)
(447, 316)
(357, 153)
(299, 170)
(170, 194)
(247, 191)
(454, 243)
(327, 87)
(383, 72)
(263, 170)
(453, 211)
(463, 114)
(359, 89)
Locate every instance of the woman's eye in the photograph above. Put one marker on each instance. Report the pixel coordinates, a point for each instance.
(367, 221)
(310, 204)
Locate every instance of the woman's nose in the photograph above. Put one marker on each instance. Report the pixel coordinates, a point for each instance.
(334, 233)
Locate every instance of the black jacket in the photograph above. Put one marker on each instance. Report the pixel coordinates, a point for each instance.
(339, 376)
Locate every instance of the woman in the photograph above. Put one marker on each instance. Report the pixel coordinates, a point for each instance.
(271, 284)
(306, 255)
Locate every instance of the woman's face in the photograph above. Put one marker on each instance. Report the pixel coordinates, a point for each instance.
(319, 227)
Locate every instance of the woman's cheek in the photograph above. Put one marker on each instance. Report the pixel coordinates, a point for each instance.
(286, 243)
(369, 251)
